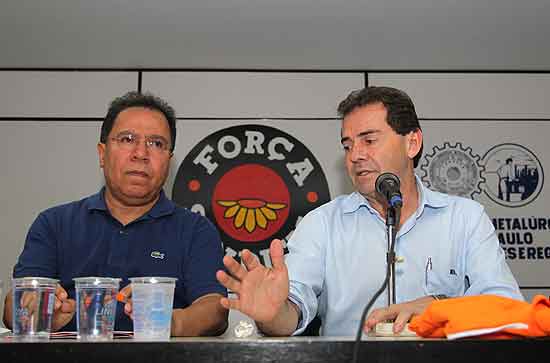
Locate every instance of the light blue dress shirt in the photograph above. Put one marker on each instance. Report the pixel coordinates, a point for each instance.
(337, 257)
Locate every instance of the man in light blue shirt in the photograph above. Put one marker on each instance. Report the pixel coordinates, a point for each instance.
(446, 246)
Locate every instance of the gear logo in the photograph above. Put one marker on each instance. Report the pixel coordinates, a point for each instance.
(453, 169)
(253, 182)
(514, 175)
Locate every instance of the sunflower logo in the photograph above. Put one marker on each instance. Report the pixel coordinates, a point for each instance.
(250, 212)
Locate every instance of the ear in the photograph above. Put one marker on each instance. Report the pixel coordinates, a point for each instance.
(101, 154)
(414, 143)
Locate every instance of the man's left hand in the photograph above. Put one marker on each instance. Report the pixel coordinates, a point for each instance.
(399, 313)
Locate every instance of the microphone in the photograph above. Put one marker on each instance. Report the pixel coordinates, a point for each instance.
(387, 185)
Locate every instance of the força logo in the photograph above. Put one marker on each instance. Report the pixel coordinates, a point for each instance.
(253, 182)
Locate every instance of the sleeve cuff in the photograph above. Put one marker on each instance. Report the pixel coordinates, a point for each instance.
(303, 318)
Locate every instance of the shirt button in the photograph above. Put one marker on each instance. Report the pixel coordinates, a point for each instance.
(122, 231)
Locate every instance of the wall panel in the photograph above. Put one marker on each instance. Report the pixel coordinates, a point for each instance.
(61, 94)
(253, 94)
(473, 95)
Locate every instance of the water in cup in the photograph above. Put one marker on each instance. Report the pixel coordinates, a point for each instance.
(96, 307)
(152, 299)
(33, 305)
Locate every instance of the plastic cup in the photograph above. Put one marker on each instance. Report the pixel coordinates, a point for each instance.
(152, 302)
(96, 307)
(33, 303)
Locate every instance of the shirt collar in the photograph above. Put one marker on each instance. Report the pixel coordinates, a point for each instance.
(97, 201)
(354, 201)
(162, 207)
(428, 198)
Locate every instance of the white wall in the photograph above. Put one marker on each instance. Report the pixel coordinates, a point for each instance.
(50, 120)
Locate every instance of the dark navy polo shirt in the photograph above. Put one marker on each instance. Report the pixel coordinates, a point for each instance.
(81, 239)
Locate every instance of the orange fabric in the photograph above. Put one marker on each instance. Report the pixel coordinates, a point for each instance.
(469, 313)
(121, 297)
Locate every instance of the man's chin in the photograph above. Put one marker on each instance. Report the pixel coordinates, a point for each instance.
(364, 188)
(139, 196)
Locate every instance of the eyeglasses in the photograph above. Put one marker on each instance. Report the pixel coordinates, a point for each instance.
(129, 141)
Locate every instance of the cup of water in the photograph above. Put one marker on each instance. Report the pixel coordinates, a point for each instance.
(96, 307)
(152, 302)
(33, 305)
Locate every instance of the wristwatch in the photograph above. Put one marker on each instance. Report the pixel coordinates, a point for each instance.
(440, 297)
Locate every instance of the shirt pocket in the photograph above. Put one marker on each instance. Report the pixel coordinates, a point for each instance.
(443, 281)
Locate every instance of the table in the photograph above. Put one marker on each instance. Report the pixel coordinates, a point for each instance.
(294, 349)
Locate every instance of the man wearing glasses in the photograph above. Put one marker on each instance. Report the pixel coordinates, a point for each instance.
(130, 228)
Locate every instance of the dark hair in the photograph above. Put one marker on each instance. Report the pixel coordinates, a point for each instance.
(137, 99)
(401, 116)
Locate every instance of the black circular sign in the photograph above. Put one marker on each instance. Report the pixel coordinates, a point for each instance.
(253, 182)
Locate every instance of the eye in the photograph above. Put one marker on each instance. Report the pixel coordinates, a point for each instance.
(157, 144)
(126, 139)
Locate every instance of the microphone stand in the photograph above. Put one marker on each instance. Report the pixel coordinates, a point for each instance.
(391, 232)
(392, 223)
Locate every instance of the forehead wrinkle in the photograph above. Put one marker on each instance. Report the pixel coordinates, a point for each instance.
(361, 135)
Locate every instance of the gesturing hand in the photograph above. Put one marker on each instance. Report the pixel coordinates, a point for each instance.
(261, 291)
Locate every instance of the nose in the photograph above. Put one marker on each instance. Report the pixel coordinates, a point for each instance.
(141, 151)
(357, 153)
